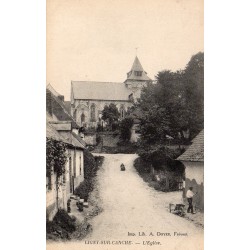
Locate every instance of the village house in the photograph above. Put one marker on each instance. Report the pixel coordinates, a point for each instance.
(88, 98)
(193, 159)
(57, 195)
(62, 127)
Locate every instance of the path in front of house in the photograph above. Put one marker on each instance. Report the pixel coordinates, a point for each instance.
(130, 205)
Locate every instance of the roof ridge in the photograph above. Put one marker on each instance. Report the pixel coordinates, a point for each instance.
(79, 138)
(94, 82)
(195, 152)
(51, 89)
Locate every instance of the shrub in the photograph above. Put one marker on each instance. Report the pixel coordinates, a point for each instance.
(125, 127)
(98, 139)
(89, 165)
(90, 168)
(61, 226)
(141, 166)
(84, 189)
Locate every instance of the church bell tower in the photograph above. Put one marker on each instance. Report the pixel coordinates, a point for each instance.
(136, 78)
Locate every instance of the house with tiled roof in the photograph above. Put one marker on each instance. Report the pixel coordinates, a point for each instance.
(88, 98)
(193, 160)
(57, 107)
(61, 127)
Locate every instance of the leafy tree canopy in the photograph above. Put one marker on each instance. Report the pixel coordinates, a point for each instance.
(110, 113)
(125, 127)
(174, 103)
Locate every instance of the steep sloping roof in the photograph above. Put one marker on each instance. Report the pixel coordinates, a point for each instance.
(70, 138)
(67, 105)
(52, 133)
(110, 91)
(79, 139)
(137, 67)
(196, 150)
(75, 142)
(52, 90)
(59, 108)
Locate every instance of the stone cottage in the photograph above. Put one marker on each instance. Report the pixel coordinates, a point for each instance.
(193, 159)
(62, 127)
(57, 196)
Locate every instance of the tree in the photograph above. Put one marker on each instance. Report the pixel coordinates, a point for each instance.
(194, 93)
(174, 103)
(110, 114)
(163, 107)
(55, 161)
(125, 127)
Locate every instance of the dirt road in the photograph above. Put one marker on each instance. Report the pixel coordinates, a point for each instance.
(131, 206)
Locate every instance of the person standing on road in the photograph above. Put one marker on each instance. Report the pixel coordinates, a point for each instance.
(190, 196)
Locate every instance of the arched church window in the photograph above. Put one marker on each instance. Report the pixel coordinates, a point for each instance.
(122, 112)
(82, 118)
(92, 112)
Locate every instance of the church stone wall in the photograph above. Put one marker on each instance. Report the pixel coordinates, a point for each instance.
(82, 110)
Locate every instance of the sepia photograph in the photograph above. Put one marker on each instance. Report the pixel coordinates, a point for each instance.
(124, 124)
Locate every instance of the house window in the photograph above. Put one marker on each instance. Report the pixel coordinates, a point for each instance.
(138, 73)
(92, 112)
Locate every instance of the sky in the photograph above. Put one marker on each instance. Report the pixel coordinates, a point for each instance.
(96, 40)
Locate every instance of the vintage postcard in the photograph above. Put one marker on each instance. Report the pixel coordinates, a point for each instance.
(125, 124)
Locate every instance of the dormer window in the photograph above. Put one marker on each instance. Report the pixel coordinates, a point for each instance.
(138, 73)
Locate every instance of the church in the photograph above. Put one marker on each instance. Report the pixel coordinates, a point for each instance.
(88, 98)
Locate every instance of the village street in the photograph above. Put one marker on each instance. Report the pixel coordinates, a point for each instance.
(130, 205)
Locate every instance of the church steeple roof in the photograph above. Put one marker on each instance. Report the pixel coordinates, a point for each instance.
(137, 72)
(137, 65)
